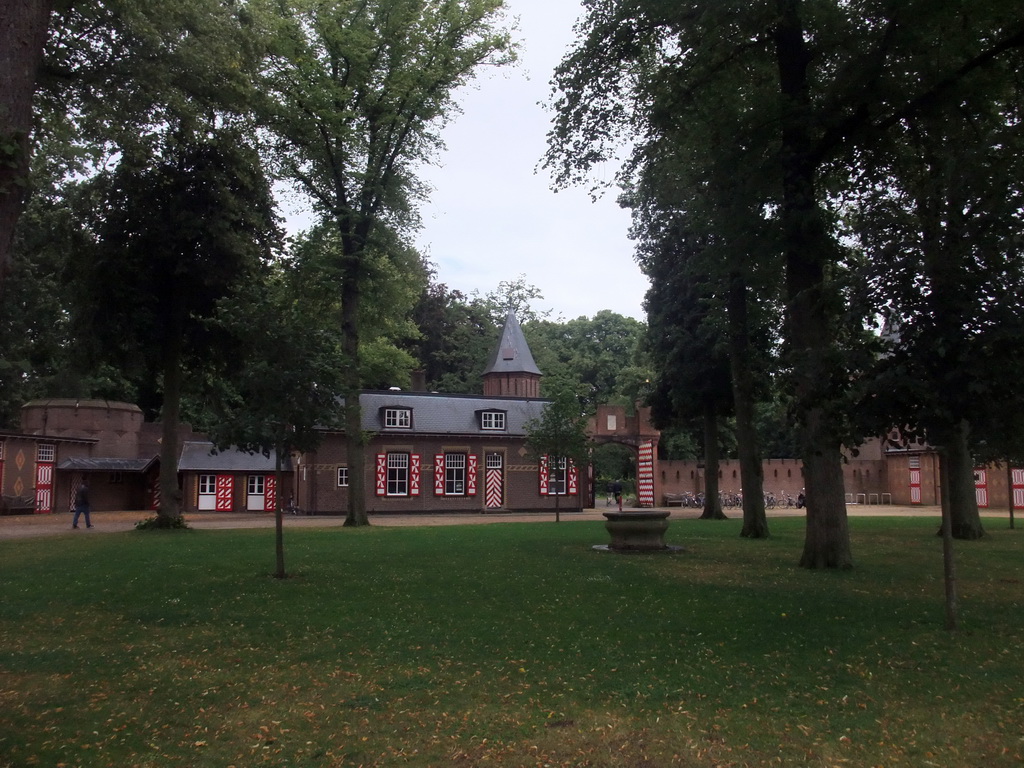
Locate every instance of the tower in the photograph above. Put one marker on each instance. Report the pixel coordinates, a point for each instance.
(511, 371)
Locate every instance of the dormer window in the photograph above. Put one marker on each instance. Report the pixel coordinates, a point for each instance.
(397, 418)
(493, 421)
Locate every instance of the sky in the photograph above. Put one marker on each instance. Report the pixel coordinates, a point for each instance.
(493, 216)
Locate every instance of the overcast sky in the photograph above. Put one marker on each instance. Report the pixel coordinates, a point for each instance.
(493, 216)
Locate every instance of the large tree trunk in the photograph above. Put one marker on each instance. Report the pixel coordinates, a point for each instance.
(827, 538)
(351, 295)
(948, 558)
(965, 519)
(712, 500)
(755, 522)
(169, 510)
(807, 248)
(23, 28)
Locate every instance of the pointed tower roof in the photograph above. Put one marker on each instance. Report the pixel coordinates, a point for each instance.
(512, 355)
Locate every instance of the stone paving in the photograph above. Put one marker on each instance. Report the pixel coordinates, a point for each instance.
(59, 523)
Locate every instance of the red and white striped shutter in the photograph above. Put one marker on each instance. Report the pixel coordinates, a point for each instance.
(439, 474)
(574, 480)
(1017, 481)
(981, 486)
(270, 493)
(915, 486)
(471, 463)
(543, 468)
(225, 492)
(381, 484)
(414, 474)
(154, 492)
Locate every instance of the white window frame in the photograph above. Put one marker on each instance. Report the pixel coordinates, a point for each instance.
(343, 477)
(494, 460)
(558, 478)
(207, 484)
(46, 452)
(455, 474)
(256, 485)
(398, 474)
(398, 418)
(493, 420)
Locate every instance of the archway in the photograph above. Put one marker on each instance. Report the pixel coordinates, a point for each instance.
(632, 432)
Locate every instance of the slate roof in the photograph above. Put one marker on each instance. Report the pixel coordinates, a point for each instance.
(84, 464)
(201, 457)
(512, 355)
(436, 414)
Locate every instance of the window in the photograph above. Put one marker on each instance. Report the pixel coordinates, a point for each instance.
(397, 418)
(612, 422)
(207, 484)
(45, 452)
(117, 478)
(557, 478)
(493, 461)
(494, 420)
(455, 474)
(343, 477)
(398, 474)
(255, 486)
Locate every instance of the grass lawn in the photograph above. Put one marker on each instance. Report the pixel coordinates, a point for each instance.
(509, 644)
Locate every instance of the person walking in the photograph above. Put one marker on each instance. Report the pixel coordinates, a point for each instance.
(82, 504)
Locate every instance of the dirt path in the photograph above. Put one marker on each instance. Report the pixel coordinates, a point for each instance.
(59, 523)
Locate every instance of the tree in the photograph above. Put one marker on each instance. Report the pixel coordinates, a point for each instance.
(516, 295)
(817, 82)
(354, 95)
(703, 240)
(941, 215)
(285, 389)
(46, 352)
(23, 27)
(169, 241)
(600, 358)
(456, 336)
(692, 380)
(560, 437)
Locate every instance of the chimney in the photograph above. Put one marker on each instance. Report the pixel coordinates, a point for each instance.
(419, 381)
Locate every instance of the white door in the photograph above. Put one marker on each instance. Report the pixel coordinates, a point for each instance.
(207, 493)
(256, 500)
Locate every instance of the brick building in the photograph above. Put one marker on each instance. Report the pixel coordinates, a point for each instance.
(431, 452)
(426, 452)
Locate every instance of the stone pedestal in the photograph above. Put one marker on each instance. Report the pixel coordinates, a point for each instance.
(638, 531)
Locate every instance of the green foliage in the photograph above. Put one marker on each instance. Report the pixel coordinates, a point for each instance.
(118, 76)
(563, 652)
(163, 523)
(598, 359)
(517, 295)
(169, 237)
(612, 462)
(286, 381)
(456, 336)
(561, 433)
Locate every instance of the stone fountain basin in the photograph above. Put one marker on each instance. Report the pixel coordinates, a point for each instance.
(637, 531)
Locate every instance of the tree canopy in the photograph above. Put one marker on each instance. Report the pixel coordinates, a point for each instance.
(783, 94)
